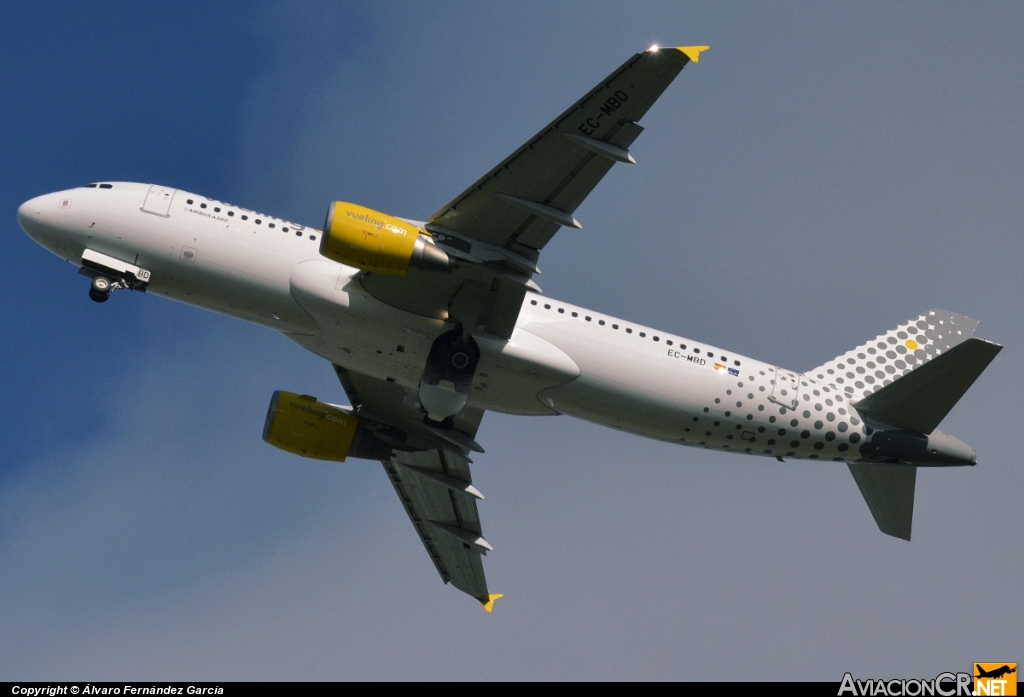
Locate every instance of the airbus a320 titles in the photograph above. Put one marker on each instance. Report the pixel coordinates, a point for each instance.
(431, 323)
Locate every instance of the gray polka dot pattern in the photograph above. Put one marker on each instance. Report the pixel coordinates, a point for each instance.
(887, 357)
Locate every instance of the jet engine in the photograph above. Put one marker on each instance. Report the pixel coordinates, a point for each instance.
(373, 241)
(305, 426)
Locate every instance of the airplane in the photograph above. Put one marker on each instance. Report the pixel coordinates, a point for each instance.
(995, 672)
(429, 324)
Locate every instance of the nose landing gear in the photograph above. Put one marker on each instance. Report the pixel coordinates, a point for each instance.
(99, 289)
(109, 274)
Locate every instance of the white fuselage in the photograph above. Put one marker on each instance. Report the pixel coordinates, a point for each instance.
(560, 358)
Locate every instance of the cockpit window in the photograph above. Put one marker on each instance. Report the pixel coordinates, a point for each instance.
(106, 186)
(91, 186)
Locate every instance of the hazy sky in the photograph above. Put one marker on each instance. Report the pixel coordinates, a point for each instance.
(825, 172)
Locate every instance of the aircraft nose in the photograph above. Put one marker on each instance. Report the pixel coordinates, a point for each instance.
(25, 211)
(33, 215)
(29, 214)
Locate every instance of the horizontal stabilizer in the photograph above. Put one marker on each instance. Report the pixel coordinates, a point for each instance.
(889, 493)
(919, 400)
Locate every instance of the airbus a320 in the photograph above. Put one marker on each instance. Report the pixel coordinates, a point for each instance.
(431, 323)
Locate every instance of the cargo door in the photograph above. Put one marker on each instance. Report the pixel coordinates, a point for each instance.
(158, 201)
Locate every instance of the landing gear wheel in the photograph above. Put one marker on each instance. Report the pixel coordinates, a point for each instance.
(99, 291)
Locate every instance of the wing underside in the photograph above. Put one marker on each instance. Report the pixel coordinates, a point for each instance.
(429, 468)
(523, 201)
(496, 227)
(445, 518)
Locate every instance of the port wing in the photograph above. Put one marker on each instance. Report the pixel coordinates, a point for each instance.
(429, 469)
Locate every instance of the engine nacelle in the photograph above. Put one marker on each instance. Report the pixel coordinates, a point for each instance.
(373, 241)
(302, 425)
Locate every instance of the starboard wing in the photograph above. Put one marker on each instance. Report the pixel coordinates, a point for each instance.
(496, 227)
(522, 202)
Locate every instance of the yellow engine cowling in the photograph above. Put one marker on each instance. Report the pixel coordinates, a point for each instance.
(303, 425)
(373, 241)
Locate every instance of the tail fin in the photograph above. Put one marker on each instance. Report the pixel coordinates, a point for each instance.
(889, 493)
(890, 356)
(908, 379)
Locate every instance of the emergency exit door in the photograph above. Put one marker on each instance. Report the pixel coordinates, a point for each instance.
(158, 201)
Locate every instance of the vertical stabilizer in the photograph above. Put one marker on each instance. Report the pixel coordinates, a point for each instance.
(887, 357)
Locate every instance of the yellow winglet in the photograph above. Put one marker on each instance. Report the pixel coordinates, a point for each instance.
(692, 52)
(488, 600)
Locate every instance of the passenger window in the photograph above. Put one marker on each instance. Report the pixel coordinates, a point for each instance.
(642, 334)
(258, 221)
(588, 318)
(546, 306)
(298, 234)
(575, 315)
(615, 326)
(216, 210)
(561, 310)
(189, 202)
(669, 342)
(284, 229)
(628, 330)
(271, 225)
(245, 217)
(533, 302)
(202, 205)
(601, 322)
(231, 213)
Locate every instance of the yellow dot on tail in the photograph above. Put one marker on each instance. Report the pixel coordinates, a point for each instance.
(911, 344)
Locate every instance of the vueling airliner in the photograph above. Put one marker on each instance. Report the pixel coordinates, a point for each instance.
(429, 324)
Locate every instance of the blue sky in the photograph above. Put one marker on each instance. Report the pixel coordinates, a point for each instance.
(823, 173)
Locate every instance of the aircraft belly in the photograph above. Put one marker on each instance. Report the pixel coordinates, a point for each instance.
(357, 331)
(198, 266)
(361, 333)
(630, 390)
(512, 374)
(637, 387)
